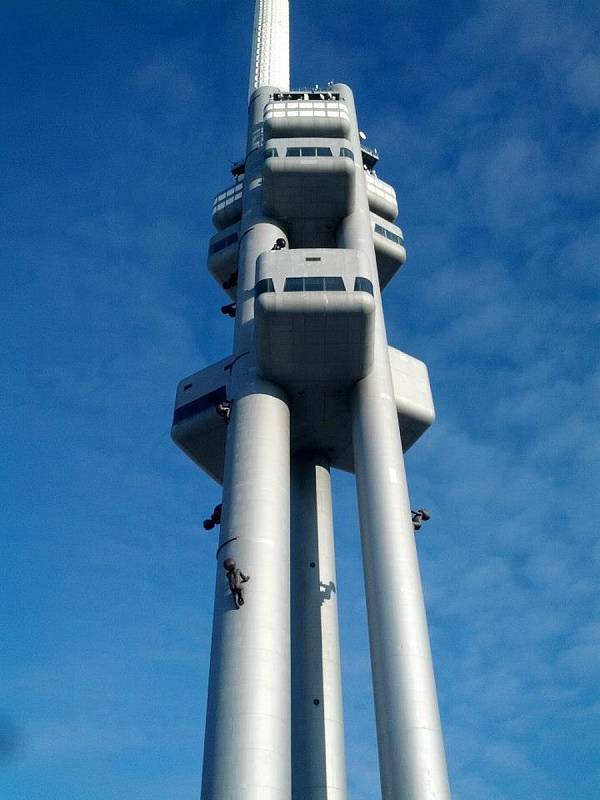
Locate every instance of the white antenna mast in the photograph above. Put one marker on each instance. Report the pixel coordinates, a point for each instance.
(270, 63)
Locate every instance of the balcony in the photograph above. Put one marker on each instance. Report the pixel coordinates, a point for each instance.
(322, 413)
(308, 178)
(223, 252)
(227, 206)
(370, 156)
(412, 393)
(382, 197)
(197, 428)
(389, 248)
(292, 118)
(314, 315)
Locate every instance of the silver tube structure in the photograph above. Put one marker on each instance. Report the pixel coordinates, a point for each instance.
(318, 760)
(270, 61)
(247, 738)
(411, 748)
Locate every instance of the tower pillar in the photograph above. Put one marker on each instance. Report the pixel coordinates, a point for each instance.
(318, 762)
(247, 740)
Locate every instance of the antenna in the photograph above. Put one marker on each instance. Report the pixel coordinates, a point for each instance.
(270, 62)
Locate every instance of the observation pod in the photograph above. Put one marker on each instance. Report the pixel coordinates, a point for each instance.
(390, 252)
(227, 206)
(315, 316)
(381, 197)
(223, 251)
(326, 117)
(308, 178)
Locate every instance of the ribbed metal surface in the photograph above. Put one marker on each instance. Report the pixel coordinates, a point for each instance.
(270, 64)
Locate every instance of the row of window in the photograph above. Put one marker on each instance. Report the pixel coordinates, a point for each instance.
(313, 283)
(221, 244)
(309, 152)
(393, 237)
(232, 195)
(379, 187)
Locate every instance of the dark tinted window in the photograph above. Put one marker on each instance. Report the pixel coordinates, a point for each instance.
(293, 285)
(264, 285)
(324, 151)
(334, 284)
(393, 237)
(346, 153)
(313, 284)
(270, 152)
(292, 151)
(221, 244)
(308, 151)
(363, 285)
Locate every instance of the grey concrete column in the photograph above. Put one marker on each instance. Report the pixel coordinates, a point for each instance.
(318, 762)
(409, 735)
(411, 749)
(247, 742)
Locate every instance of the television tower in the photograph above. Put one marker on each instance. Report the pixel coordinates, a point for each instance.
(305, 243)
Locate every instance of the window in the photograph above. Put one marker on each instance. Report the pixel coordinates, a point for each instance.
(270, 152)
(363, 285)
(314, 283)
(308, 152)
(293, 285)
(346, 153)
(334, 284)
(393, 237)
(221, 244)
(264, 285)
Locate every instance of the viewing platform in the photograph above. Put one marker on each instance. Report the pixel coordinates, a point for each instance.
(390, 252)
(382, 197)
(314, 314)
(227, 206)
(223, 250)
(309, 178)
(289, 118)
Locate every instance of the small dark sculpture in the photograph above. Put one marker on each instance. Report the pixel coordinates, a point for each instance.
(279, 244)
(214, 519)
(224, 410)
(419, 517)
(231, 281)
(235, 578)
(229, 309)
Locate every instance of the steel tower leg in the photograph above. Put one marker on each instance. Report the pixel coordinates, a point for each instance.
(247, 742)
(318, 762)
(411, 749)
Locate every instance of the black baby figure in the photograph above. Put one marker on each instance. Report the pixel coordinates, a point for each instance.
(235, 578)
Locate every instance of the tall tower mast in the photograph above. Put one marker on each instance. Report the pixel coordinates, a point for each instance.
(305, 243)
(270, 60)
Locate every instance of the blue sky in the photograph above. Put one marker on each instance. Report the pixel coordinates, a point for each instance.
(119, 122)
